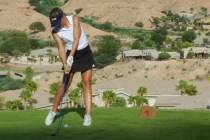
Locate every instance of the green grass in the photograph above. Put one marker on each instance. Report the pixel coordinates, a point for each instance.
(123, 31)
(44, 6)
(108, 124)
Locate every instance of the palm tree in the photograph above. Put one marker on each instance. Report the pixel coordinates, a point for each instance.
(181, 87)
(74, 97)
(29, 72)
(132, 100)
(108, 97)
(25, 95)
(31, 86)
(27, 92)
(142, 91)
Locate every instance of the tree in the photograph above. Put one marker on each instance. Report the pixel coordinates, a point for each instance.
(108, 97)
(189, 36)
(142, 91)
(119, 102)
(14, 105)
(132, 100)
(164, 56)
(54, 88)
(108, 48)
(158, 36)
(29, 73)
(27, 92)
(25, 95)
(140, 99)
(182, 86)
(138, 44)
(185, 88)
(75, 96)
(37, 27)
(155, 21)
(31, 86)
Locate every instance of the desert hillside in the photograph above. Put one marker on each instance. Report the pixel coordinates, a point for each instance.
(18, 15)
(128, 12)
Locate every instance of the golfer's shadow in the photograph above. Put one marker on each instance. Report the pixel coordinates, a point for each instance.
(65, 111)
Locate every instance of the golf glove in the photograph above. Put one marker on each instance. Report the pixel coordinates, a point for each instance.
(70, 60)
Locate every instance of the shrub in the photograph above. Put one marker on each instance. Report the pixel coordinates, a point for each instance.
(158, 36)
(54, 87)
(108, 97)
(164, 56)
(105, 26)
(139, 24)
(191, 90)
(1, 102)
(185, 88)
(14, 105)
(10, 84)
(79, 10)
(189, 36)
(37, 27)
(108, 48)
(137, 45)
(29, 73)
(119, 102)
(190, 55)
(15, 43)
(44, 6)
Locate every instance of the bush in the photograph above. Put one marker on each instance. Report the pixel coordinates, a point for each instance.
(45, 6)
(190, 55)
(54, 87)
(158, 36)
(139, 24)
(108, 48)
(164, 56)
(105, 26)
(79, 10)
(119, 102)
(16, 43)
(14, 105)
(10, 84)
(40, 44)
(137, 45)
(1, 102)
(189, 36)
(37, 27)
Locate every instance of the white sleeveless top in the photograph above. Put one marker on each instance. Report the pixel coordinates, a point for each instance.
(67, 35)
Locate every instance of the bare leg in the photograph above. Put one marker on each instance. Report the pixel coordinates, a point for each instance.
(87, 90)
(59, 93)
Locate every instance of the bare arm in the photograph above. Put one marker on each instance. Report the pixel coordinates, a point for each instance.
(77, 34)
(61, 49)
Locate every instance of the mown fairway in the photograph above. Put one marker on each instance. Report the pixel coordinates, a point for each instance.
(108, 124)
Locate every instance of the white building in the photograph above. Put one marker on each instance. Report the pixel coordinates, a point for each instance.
(98, 100)
(135, 53)
(195, 50)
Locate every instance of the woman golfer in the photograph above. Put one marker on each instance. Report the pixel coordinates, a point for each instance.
(76, 56)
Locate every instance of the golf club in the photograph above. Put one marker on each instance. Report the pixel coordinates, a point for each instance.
(60, 117)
